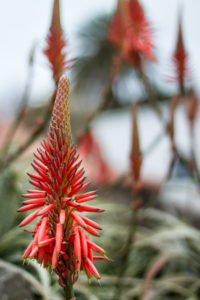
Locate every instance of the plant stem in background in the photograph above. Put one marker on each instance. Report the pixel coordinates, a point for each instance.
(126, 255)
(38, 130)
(135, 166)
(23, 105)
(108, 98)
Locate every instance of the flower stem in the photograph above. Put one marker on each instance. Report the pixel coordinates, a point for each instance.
(126, 254)
(38, 130)
(69, 291)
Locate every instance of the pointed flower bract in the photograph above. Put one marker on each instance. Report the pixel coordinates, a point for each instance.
(130, 32)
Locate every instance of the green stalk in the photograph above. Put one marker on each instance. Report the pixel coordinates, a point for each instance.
(69, 291)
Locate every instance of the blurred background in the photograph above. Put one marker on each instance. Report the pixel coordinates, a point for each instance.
(134, 70)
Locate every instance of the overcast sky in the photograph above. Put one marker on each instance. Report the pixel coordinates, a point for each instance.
(25, 22)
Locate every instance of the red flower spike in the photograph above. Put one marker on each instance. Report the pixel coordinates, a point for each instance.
(180, 58)
(130, 33)
(58, 239)
(55, 50)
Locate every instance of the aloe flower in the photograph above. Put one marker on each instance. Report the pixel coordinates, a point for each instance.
(55, 49)
(61, 235)
(180, 59)
(130, 32)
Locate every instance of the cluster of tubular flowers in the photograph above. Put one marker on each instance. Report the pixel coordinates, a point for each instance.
(130, 32)
(61, 235)
(56, 45)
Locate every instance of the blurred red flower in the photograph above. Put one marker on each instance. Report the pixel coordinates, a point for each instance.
(180, 58)
(97, 168)
(130, 32)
